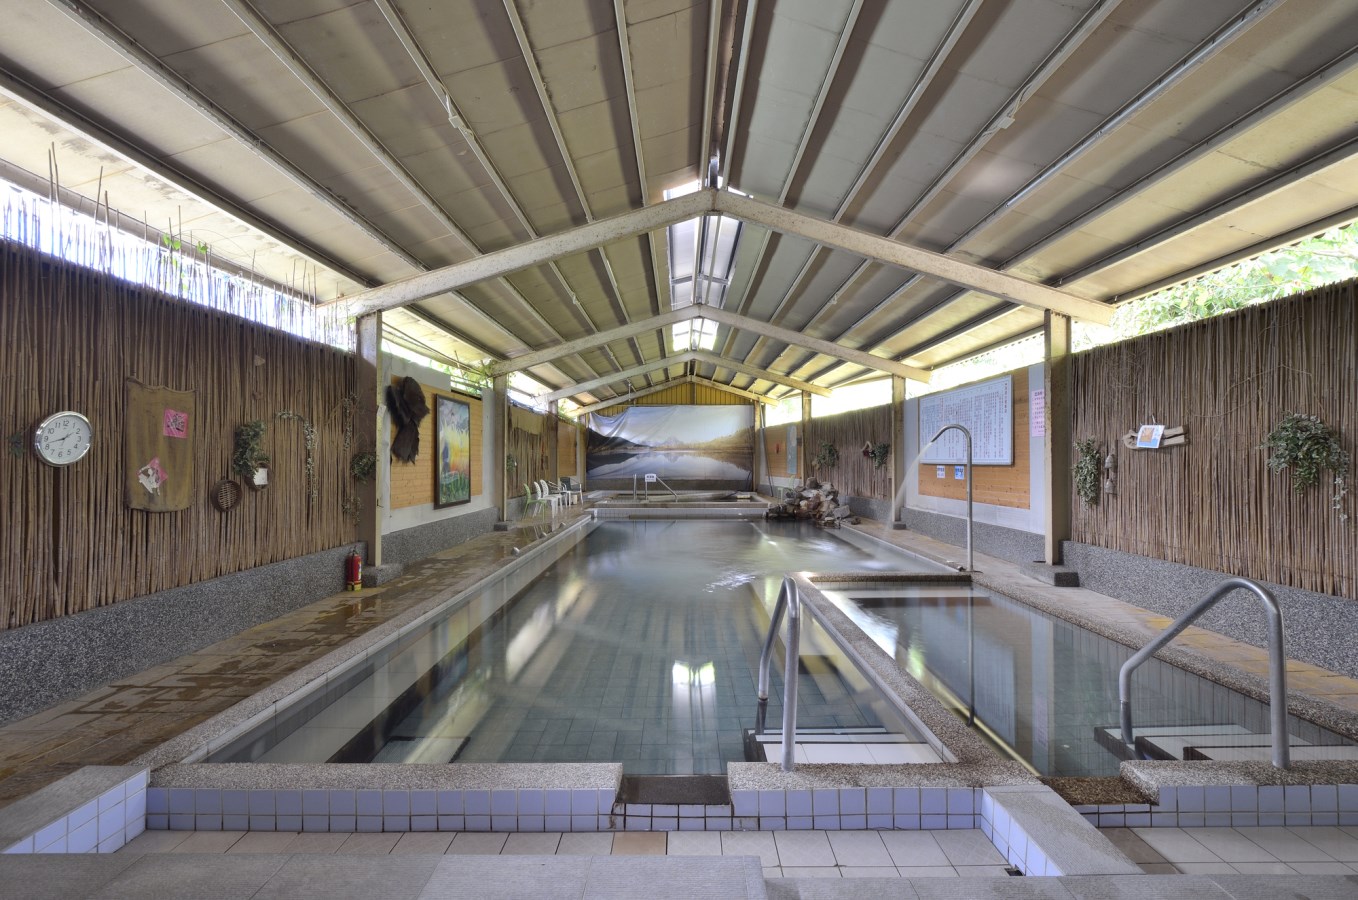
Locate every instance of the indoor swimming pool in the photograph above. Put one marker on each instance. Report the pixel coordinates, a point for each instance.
(637, 645)
(1045, 691)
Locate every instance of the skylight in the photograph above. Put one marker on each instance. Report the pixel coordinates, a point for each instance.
(702, 254)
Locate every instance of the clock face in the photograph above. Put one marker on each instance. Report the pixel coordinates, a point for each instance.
(62, 438)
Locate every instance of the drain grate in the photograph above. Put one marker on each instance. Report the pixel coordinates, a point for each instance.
(1013, 870)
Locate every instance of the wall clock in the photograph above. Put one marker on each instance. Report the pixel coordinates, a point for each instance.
(62, 438)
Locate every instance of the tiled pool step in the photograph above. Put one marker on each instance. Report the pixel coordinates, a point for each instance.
(848, 746)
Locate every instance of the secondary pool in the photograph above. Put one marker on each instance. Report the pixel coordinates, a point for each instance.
(637, 645)
(1045, 690)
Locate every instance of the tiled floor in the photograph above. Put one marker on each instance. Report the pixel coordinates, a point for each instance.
(787, 854)
(1313, 850)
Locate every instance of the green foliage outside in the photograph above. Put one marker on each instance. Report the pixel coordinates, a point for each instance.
(1324, 259)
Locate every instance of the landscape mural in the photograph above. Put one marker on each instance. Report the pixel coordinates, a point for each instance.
(688, 447)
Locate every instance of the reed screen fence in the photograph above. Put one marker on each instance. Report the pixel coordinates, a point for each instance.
(71, 337)
(855, 474)
(1228, 381)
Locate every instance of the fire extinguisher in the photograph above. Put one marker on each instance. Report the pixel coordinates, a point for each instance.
(353, 571)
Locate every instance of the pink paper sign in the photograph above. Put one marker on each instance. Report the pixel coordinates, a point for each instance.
(176, 424)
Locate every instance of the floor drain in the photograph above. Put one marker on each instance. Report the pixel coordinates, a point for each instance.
(1013, 870)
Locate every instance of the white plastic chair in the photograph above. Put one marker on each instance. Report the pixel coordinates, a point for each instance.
(545, 491)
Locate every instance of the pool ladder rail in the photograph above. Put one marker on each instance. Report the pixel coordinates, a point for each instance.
(789, 600)
(1277, 663)
(646, 486)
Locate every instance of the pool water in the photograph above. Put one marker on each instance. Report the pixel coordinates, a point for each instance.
(639, 645)
(1045, 690)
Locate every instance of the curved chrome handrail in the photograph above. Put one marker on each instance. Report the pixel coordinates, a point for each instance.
(1277, 663)
(789, 600)
(966, 434)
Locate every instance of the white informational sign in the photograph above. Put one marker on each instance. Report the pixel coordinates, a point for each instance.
(1148, 437)
(985, 409)
(959, 473)
(650, 478)
(941, 471)
(1037, 414)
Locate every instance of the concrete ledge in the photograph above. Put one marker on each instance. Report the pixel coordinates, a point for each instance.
(1041, 834)
(1056, 576)
(391, 776)
(375, 576)
(96, 809)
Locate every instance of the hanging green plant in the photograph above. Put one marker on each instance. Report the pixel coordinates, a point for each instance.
(827, 456)
(1307, 446)
(363, 466)
(248, 455)
(1087, 471)
(510, 462)
(880, 453)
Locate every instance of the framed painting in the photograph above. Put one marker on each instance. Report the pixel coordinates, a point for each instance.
(452, 452)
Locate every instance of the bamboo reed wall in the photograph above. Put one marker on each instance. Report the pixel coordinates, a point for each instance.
(855, 474)
(412, 483)
(71, 337)
(1228, 381)
(996, 485)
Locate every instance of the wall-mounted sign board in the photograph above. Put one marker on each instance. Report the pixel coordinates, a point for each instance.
(985, 409)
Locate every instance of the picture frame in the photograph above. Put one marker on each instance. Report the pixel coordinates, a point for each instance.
(452, 452)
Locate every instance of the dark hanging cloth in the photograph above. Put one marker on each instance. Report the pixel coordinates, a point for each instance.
(405, 401)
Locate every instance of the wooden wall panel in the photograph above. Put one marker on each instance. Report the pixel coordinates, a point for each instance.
(412, 483)
(996, 485)
(775, 438)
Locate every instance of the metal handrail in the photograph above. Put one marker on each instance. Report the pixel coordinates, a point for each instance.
(966, 434)
(789, 600)
(646, 488)
(1277, 663)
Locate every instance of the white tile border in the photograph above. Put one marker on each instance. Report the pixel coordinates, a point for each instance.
(1235, 806)
(102, 825)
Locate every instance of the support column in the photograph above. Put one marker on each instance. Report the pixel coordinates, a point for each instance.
(898, 451)
(553, 443)
(1057, 455)
(500, 445)
(368, 432)
(804, 458)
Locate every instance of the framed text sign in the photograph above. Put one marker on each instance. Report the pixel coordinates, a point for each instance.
(985, 409)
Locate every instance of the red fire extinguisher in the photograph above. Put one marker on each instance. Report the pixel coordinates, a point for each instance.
(353, 571)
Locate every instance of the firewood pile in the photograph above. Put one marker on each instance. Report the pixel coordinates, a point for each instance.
(815, 501)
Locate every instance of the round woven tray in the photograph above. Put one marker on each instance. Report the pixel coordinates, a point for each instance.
(225, 494)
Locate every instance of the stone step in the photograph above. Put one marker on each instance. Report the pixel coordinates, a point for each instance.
(1057, 576)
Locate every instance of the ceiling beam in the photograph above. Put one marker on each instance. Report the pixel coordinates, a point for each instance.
(904, 256)
(687, 379)
(721, 316)
(712, 359)
(787, 336)
(531, 253)
(566, 348)
(584, 387)
(687, 356)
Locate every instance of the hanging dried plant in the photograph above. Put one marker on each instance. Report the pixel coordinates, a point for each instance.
(309, 436)
(1087, 472)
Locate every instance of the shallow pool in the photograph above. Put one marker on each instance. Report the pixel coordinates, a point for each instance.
(1045, 690)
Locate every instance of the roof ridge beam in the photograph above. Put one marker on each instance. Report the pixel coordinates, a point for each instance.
(687, 379)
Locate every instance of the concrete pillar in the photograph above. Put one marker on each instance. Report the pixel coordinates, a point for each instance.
(370, 392)
(553, 443)
(803, 457)
(500, 426)
(898, 449)
(1057, 458)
